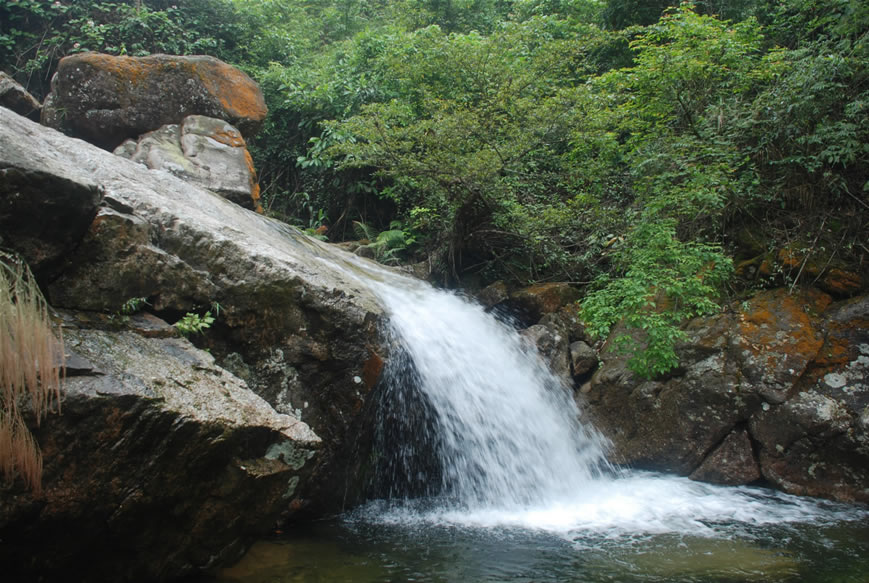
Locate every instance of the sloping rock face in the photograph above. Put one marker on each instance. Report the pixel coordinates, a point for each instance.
(293, 323)
(202, 150)
(776, 385)
(61, 202)
(155, 449)
(106, 99)
(16, 98)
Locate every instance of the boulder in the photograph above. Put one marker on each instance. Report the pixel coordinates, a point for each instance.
(106, 99)
(530, 304)
(291, 317)
(583, 358)
(671, 424)
(44, 212)
(493, 294)
(785, 371)
(160, 464)
(202, 150)
(16, 98)
(817, 443)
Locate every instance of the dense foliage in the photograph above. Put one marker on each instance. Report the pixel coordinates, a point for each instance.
(639, 148)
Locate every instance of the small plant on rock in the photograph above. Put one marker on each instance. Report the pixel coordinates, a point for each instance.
(193, 323)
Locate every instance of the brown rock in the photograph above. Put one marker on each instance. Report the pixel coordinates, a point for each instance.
(532, 303)
(106, 99)
(16, 98)
(732, 463)
(583, 358)
(493, 294)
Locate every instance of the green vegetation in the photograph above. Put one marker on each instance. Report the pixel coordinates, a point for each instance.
(194, 323)
(640, 148)
(31, 365)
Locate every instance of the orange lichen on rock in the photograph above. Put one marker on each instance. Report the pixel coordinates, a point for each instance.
(237, 92)
(107, 99)
(254, 186)
(371, 370)
(841, 282)
(546, 298)
(230, 138)
(778, 324)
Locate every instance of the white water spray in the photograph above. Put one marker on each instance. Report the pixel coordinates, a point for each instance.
(506, 431)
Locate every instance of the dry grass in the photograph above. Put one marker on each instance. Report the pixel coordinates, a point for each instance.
(31, 365)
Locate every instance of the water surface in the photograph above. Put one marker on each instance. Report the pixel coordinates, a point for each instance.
(356, 549)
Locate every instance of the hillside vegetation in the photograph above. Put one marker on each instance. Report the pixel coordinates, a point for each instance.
(663, 157)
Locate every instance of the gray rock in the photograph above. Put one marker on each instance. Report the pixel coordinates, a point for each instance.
(205, 151)
(583, 358)
(817, 442)
(159, 455)
(291, 314)
(45, 210)
(106, 99)
(795, 379)
(16, 98)
(552, 347)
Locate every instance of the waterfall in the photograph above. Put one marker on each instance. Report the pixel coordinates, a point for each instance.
(502, 429)
(474, 430)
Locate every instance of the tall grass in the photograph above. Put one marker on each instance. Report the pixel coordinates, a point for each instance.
(31, 365)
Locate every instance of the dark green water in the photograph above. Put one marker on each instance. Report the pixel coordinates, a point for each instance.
(357, 551)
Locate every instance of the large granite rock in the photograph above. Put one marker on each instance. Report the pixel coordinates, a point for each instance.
(106, 99)
(160, 464)
(202, 150)
(294, 323)
(817, 442)
(777, 383)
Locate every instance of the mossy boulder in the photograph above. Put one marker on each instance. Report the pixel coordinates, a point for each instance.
(106, 99)
(775, 387)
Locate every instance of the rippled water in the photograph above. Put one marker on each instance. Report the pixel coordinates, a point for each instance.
(356, 549)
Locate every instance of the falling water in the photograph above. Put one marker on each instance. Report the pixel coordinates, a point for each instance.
(501, 426)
